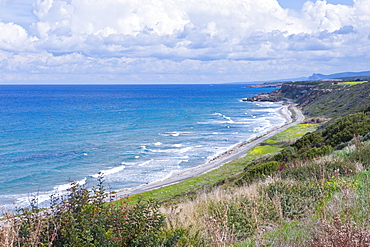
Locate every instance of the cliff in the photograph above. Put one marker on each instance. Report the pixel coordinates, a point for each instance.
(322, 98)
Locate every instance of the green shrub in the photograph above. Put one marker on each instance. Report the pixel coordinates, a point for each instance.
(83, 218)
(345, 128)
(236, 217)
(315, 172)
(293, 200)
(316, 152)
(287, 154)
(309, 140)
(362, 155)
(258, 171)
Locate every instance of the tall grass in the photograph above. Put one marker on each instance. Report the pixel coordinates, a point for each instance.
(321, 202)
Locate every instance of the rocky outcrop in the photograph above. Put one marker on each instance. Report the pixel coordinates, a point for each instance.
(267, 84)
(316, 120)
(294, 91)
(263, 97)
(312, 96)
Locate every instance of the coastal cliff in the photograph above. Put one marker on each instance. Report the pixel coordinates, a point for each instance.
(322, 98)
(263, 97)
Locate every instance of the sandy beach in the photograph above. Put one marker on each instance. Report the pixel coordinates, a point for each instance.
(233, 153)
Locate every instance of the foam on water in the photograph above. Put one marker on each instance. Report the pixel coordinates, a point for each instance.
(184, 150)
(65, 187)
(109, 171)
(225, 117)
(146, 163)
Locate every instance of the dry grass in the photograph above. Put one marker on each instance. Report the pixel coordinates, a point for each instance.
(345, 220)
(338, 232)
(342, 219)
(9, 229)
(207, 214)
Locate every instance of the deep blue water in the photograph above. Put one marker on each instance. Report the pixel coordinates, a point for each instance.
(134, 134)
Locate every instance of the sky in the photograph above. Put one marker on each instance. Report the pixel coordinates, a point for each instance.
(180, 41)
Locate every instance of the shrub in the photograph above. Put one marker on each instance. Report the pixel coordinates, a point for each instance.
(344, 219)
(309, 140)
(258, 171)
(362, 155)
(316, 152)
(83, 218)
(293, 200)
(316, 171)
(287, 154)
(236, 217)
(345, 128)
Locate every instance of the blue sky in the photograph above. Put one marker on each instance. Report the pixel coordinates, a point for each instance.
(180, 41)
(297, 4)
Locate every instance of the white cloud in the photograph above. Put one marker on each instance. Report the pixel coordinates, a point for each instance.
(14, 38)
(230, 39)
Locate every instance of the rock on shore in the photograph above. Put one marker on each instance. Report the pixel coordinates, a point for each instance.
(263, 97)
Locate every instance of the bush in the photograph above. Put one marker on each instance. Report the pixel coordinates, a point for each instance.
(315, 172)
(230, 221)
(287, 154)
(258, 171)
(83, 218)
(362, 155)
(293, 200)
(345, 128)
(316, 152)
(308, 141)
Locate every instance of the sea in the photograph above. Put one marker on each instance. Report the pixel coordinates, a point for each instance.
(51, 135)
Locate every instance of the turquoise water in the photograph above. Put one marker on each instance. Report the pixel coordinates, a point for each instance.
(133, 134)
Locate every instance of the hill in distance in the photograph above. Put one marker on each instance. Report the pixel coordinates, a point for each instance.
(313, 77)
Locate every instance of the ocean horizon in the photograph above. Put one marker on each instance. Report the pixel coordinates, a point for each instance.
(132, 134)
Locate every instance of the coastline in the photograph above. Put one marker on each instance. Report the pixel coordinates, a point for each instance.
(234, 152)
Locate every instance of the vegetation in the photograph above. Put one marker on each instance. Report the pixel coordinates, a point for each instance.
(336, 100)
(307, 186)
(83, 218)
(351, 82)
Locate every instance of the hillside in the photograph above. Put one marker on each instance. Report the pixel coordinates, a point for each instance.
(306, 186)
(316, 77)
(326, 98)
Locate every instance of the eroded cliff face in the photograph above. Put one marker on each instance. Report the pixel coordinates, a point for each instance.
(312, 96)
(289, 91)
(263, 97)
(302, 93)
(322, 99)
(293, 91)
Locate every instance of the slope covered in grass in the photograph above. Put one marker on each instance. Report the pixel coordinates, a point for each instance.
(306, 186)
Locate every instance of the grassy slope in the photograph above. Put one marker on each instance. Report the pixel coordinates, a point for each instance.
(319, 202)
(343, 100)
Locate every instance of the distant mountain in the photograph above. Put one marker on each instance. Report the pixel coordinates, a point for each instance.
(313, 77)
(272, 81)
(316, 77)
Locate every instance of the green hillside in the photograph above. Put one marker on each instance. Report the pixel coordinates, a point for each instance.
(328, 99)
(306, 186)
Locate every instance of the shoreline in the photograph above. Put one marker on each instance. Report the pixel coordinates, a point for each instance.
(234, 152)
